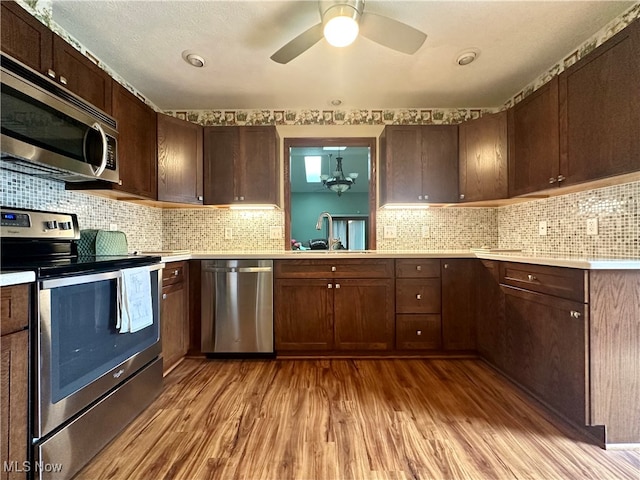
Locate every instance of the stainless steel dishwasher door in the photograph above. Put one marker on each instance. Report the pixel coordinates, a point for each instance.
(237, 306)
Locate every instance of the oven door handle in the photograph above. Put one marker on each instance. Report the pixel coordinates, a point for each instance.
(90, 278)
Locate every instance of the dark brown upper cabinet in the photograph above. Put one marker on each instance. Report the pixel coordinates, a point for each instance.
(534, 142)
(483, 158)
(241, 165)
(179, 160)
(32, 43)
(600, 110)
(136, 144)
(419, 164)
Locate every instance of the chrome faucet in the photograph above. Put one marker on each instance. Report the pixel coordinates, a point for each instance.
(327, 215)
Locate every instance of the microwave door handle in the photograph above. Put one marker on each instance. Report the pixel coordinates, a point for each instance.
(105, 146)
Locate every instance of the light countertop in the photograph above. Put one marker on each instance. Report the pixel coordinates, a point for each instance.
(585, 263)
(16, 278)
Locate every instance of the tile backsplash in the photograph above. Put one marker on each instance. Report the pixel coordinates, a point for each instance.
(617, 209)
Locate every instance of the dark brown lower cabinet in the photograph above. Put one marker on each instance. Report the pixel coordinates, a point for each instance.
(546, 349)
(303, 315)
(418, 332)
(174, 313)
(459, 285)
(334, 314)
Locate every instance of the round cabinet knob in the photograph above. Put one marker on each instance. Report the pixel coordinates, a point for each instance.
(235, 198)
(575, 314)
(419, 297)
(164, 296)
(51, 73)
(418, 332)
(333, 269)
(561, 178)
(426, 197)
(446, 265)
(337, 285)
(200, 197)
(175, 273)
(329, 285)
(462, 196)
(63, 80)
(241, 199)
(532, 278)
(552, 180)
(419, 268)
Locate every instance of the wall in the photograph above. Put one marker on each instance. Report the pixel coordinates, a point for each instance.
(305, 208)
(141, 224)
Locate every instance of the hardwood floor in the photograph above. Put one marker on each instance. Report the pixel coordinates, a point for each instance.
(349, 419)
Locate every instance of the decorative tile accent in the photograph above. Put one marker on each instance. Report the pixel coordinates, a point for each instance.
(448, 228)
(141, 224)
(587, 47)
(203, 229)
(400, 116)
(617, 209)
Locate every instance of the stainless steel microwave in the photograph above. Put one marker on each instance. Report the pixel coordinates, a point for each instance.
(50, 132)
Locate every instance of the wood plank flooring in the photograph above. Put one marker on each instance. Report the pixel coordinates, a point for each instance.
(349, 419)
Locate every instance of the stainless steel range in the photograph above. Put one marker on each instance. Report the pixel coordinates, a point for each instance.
(89, 376)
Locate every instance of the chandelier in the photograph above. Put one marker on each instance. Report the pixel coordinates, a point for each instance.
(340, 182)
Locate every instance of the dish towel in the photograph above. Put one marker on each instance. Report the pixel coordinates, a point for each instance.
(134, 300)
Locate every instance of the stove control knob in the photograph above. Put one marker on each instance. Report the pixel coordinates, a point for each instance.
(51, 225)
(64, 225)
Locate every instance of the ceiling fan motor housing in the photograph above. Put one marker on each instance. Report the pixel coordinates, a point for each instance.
(340, 8)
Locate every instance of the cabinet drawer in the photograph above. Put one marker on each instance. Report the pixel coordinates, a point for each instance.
(417, 268)
(557, 281)
(334, 268)
(419, 295)
(418, 332)
(173, 273)
(15, 308)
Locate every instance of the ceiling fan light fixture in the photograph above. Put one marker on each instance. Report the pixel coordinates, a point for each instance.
(341, 24)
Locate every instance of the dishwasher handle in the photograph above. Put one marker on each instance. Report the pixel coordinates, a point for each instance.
(238, 269)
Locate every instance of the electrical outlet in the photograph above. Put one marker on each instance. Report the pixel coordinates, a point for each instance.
(390, 231)
(542, 227)
(228, 233)
(592, 226)
(425, 231)
(113, 226)
(275, 233)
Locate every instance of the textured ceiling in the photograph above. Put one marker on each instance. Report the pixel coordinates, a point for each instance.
(143, 42)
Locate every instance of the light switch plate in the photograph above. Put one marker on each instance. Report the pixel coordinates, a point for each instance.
(275, 233)
(113, 226)
(542, 227)
(390, 231)
(592, 226)
(228, 233)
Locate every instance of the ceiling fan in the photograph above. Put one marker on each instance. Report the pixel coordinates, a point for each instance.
(342, 20)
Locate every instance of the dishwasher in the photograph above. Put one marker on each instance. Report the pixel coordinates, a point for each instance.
(237, 307)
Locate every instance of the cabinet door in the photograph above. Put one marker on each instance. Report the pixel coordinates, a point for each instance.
(220, 151)
(401, 165)
(13, 404)
(174, 317)
(490, 329)
(179, 160)
(546, 340)
(25, 38)
(257, 170)
(600, 110)
(364, 314)
(534, 153)
(483, 158)
(458, 305)
(84, 78)
(303, 315)
(439, 163)
(136, 144)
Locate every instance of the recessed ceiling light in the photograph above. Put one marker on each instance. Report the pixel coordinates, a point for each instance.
(336, 102)
(465, 58)
(193, 59)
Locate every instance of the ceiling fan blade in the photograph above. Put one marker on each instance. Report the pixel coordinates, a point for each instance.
(391, 33)
(298, 45)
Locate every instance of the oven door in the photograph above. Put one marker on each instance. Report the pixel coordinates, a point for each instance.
(80, 355)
